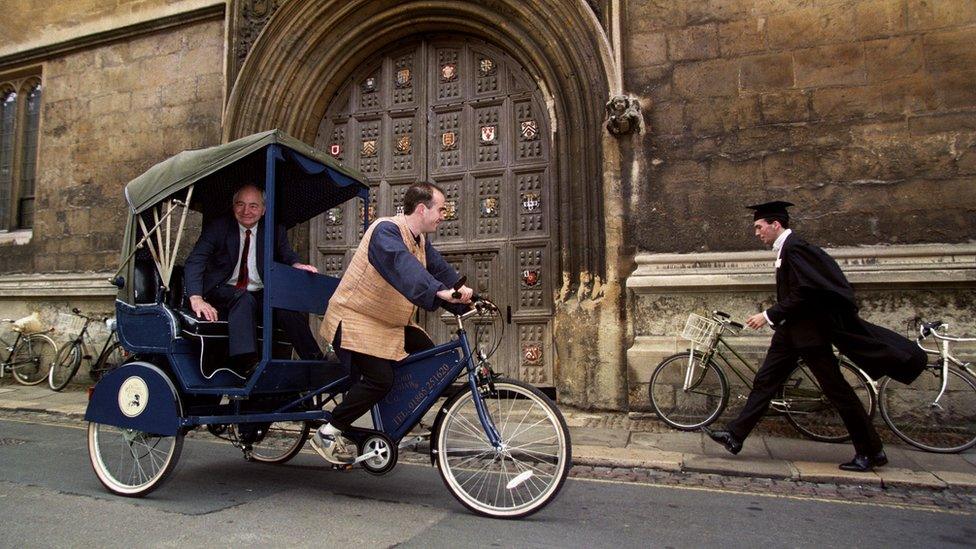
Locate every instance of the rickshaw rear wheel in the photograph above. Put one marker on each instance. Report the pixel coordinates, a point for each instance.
(279, 442)
(522, 475)
(129, 462)
(387, 458)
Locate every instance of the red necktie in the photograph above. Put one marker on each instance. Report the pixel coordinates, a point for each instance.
(242, 274)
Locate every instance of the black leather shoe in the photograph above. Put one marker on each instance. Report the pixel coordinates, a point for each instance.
(725, 438)
(863, 463)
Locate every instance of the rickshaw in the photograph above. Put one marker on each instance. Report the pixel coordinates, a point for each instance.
(501, 446)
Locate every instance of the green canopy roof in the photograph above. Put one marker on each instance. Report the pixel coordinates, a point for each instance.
(179, 172)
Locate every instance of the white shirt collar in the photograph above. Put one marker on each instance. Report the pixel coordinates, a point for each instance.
(778, 243)
(254, 229)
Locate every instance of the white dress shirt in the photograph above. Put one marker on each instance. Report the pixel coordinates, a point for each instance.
(778, 248)
(254, 282)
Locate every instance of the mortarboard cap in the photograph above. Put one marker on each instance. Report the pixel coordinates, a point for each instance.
(775, 210)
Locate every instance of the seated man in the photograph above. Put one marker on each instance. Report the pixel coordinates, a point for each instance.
(225, 270)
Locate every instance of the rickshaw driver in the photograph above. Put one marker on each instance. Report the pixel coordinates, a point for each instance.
(225, 269)
(394, 270)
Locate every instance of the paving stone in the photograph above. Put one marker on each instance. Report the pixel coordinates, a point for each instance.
(928, 461)
(600, 456)
(599, 437)
(829, 474)
(688, 443)
(752, 448)
(807, 450)
(739, 467)
(906, 478)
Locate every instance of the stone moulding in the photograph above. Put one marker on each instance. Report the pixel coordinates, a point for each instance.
(867, 266)
(57, 285)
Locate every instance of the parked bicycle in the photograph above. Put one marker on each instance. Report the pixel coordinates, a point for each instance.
(81, 346)
(690, 390)
(30, 356)
(937, 412)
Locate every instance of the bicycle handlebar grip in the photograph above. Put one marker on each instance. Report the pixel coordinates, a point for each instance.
(721, 314)
(736, 325)
(927, 327)
(75, 310)
(457, 286)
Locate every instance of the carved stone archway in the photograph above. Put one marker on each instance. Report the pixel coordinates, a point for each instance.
(309, 48)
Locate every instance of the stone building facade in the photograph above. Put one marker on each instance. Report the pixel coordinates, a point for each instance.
(601, 222)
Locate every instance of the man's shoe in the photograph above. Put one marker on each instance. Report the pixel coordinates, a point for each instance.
(863, 463)
(332, 448)
(725, 438)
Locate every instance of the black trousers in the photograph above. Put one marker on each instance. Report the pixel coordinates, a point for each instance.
(780, 361)
(375, 377)
(243, 313)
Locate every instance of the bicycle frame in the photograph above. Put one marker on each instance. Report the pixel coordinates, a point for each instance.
(7, 365)
(401, 409)
(945, 357)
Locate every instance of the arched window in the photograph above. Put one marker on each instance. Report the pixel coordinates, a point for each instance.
(28, 167)
(8, 119)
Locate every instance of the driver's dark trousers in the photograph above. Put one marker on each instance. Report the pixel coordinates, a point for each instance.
(780, 361)
(243, 311)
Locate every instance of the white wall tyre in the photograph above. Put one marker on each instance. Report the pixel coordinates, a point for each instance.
(281, 441)
(129, 462)
(530, 468)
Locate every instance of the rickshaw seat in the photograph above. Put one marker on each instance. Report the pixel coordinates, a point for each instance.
(197, 327)
(145, 281)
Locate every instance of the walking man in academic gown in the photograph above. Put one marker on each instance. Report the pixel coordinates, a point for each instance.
(814, 310)
(369, 318)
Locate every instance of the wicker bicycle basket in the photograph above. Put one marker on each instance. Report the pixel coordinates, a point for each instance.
(700, 330)
(69, 324)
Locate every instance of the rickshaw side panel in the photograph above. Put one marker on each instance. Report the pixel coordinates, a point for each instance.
(145, 328)
(136, 396)
(414, 381)
(298, 290)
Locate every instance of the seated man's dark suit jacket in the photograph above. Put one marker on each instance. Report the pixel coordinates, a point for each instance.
(216, 253)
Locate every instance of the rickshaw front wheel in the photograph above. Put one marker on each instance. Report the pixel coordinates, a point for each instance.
(129, 462)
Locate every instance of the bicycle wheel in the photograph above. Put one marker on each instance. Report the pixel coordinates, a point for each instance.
(131, 463)
(278, 442)
(112, 358)
(809, 411)
(528, 470)
(946, 427)
(33, 358)
(64, 366)
(688, 409)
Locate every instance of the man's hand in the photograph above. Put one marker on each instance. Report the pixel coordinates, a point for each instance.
(757, 321)
(305, 267)
(448, 295)
(202, 308)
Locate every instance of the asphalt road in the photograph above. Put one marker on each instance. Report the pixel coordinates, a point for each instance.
(49, 497)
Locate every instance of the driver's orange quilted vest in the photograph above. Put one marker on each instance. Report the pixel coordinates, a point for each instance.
(372, 312)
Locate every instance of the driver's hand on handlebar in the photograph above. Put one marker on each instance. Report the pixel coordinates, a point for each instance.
(757, 321)
(203, 309)
(448, 295)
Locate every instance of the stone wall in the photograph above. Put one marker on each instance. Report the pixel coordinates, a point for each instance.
(861, 112)
(110, 112)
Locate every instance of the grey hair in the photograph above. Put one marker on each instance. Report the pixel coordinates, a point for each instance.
(236, 194)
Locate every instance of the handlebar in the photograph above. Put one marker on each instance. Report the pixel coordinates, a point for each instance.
(926, 329)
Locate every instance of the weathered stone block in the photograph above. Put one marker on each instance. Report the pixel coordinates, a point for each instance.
(699, 42)
(835, 65)
(766, 72)
(950, 50)
(741, 37)
(209, 86)
(655, 15)
(714, 78)
(875, 18)
(111, 102)
(892, 58)
(668, 118)
(702, 11)
(156, 45)
(789, 106)
(957, 89)
(856, 102)
(721, 115)
(731, 174)
(821, 24)
(936, 14)
(646, 48)
(786, 170)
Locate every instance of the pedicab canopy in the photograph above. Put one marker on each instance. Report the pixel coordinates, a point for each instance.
(309, 182)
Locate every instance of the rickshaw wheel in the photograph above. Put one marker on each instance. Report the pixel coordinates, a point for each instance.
(279, 442)
(385, 461)
(129, 462)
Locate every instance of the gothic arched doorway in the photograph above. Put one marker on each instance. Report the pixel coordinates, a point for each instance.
(461, 113)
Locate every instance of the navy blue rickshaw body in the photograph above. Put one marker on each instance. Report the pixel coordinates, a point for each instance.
(164, 389)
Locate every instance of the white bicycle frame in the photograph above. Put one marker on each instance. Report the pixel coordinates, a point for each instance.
(943, 351)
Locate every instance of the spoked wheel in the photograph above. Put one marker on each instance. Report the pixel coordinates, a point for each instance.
(696, 406)
(946, 426)
(111, 359)
(64, 367)
(521, 476)
(807, 408)
(33, 359)
(385, 460)
(277, 442)
(129, 462)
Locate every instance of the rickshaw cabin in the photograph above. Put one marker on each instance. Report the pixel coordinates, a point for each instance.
(299, 183)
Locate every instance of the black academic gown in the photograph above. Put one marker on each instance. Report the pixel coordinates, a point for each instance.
(815, 306)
